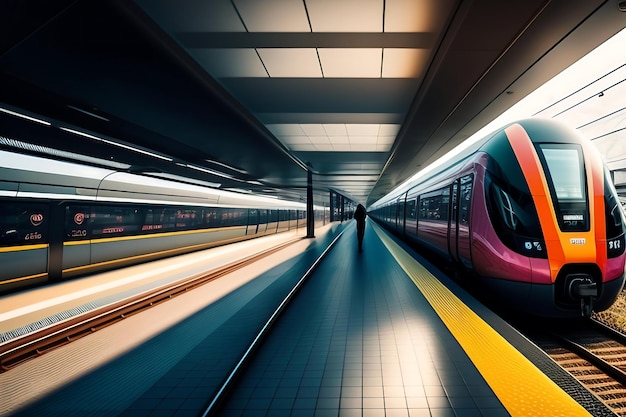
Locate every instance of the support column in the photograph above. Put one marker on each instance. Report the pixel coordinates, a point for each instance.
(332, 206)
(310, 214)
(343, 205)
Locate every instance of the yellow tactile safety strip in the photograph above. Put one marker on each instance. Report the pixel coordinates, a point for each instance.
(521, 387)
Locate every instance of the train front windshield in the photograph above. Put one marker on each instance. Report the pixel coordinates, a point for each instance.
(565, 171)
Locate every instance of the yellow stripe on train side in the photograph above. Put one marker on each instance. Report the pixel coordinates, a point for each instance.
(523, 389)
(165, 234)
(23, 248)
(34, 276)
(151, 255)
(148, 236)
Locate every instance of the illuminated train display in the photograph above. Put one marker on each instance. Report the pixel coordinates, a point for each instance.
(529, 213)
(60, 219)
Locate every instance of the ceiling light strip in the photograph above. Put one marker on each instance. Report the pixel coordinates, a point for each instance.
(88, 113)
(23, 116)
(241, 171)
(209, 171)
(120, 145)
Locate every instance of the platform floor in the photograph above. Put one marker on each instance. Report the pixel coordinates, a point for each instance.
(371, 333)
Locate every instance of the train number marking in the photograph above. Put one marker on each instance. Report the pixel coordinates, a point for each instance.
(79, 233)
(578, 241)
(33, 236)
(615, 244)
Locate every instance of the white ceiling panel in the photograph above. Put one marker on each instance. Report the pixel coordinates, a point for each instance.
(346, 15)
(229, 62)
(313, 129)
(291, 62)
(319, 140)
(410, 15)
(339, 140)
(388, 129)
(362, 140)
(351, 63)
(404, 62)
(324, 147)
(362, 129)
(386, 140)
(335, 129)
(273, 15)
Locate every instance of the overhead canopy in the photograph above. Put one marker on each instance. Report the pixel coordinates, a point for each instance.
(251, 94)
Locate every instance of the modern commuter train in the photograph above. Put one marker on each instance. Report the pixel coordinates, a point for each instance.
(61, 219)
(529, 213)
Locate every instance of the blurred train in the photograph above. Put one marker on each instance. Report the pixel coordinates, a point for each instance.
(61, 219)
(528, 213)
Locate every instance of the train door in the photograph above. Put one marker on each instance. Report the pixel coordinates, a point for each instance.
(400, 215)
(253, 222)
(453, 222)
(464, 248)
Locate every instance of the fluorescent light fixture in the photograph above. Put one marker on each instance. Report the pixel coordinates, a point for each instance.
(56, 153)
(179, 178)
(23, 116)
(210, 171)
(255, 182)
(97, 116)
(120, 145)
(226, 166)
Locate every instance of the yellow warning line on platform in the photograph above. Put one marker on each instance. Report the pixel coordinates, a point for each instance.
(521, 387)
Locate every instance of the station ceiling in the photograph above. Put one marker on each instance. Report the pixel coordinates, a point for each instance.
(250, 94)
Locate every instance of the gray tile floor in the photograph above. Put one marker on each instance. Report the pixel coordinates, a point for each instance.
(360, 340)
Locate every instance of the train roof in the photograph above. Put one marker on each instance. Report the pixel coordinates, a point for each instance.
(35, 177)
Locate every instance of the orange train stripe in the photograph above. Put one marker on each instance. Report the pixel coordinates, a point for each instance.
(531, 167)
(595, 170)
(559, 245)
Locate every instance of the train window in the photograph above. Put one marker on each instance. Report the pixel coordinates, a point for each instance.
(614, 219)
(233, 217)
(565, 172)
(566, 169)
(253, 216)
(115, 221)
(465, 199)
(411, 209)
(514, 217)
(435, 205)
(263, 216)
(23, 224)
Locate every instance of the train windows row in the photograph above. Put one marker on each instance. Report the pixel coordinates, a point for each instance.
(23, 223)
(433, 206)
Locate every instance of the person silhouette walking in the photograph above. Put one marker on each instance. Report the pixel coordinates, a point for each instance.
(359, 216)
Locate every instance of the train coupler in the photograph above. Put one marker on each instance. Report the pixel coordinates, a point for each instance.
(584, 288)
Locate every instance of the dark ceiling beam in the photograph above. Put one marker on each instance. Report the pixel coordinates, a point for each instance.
(423, 40)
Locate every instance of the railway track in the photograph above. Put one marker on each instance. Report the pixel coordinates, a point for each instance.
(594, 354)
(36, 343)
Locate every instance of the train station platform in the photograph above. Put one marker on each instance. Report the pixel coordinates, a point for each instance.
(372, 333)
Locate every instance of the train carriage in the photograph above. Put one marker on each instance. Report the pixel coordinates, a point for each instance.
(60, 219)
(529, 212)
